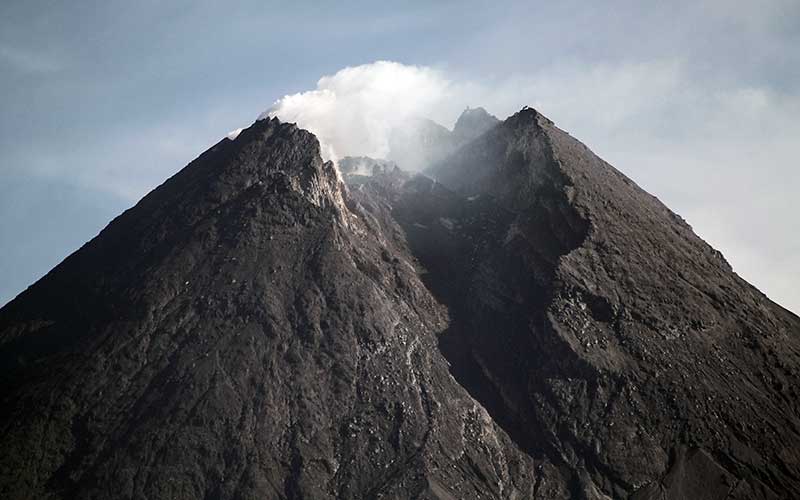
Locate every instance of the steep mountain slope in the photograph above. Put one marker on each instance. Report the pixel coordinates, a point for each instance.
(599, 330)
(522, 321)
(240, 333)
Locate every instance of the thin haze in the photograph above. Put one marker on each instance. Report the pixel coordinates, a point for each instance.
(696, 101)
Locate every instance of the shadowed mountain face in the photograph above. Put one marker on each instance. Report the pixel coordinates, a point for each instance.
(522, 321)
(599, 330)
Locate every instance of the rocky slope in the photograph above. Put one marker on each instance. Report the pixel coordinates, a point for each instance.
(600, 330)
(522, 321)
(240, 333)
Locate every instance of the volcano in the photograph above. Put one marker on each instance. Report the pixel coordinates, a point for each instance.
(519, 320)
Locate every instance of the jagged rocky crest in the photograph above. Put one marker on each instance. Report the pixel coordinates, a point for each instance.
(519, 321)
(472, 123)
(422, 142)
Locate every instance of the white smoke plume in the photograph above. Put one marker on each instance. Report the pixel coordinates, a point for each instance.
(355, 111)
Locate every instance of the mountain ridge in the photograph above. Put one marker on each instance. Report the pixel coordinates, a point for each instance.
(522, 321)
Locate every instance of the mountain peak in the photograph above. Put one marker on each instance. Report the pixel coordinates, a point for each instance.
(530, 324)
(473, 122)
(527, 115)
(270, 148)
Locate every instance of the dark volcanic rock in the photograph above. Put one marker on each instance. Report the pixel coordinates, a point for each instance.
(599, 330)
(530, 324)
(240, 333)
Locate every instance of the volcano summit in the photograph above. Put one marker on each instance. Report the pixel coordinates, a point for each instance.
(519, 320)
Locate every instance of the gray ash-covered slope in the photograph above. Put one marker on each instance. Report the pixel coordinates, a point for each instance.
(254, 329)
(241, 333)
(598, 329)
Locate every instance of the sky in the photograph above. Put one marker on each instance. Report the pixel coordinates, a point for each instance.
(698, 102)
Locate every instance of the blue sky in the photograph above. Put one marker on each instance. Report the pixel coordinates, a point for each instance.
(696, 101)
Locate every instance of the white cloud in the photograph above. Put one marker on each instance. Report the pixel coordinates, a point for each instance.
(354, 111)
